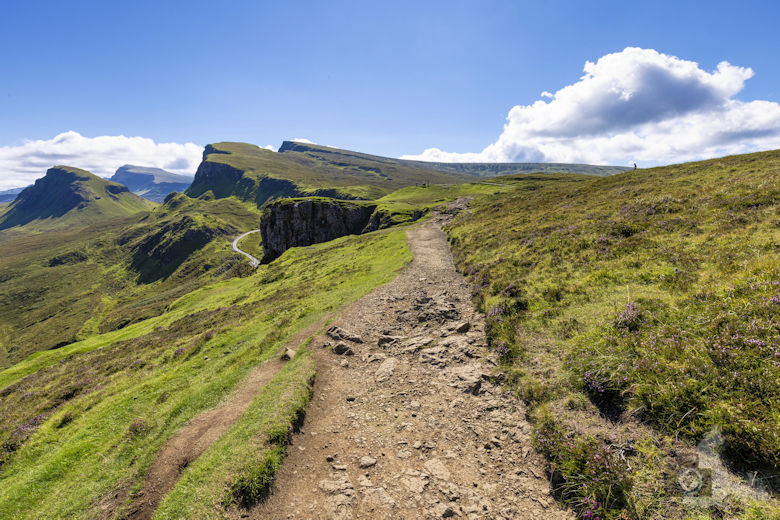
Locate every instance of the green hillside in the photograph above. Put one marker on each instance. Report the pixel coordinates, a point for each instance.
(59, 286)
(649, 297)
(97, 411)
(68, 196)
(484, 170)
(258, 175)
(255, 174)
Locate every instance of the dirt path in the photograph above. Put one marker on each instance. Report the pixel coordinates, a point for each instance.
(191, 440)
(410, 426)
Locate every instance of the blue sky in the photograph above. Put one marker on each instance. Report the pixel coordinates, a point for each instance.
(391, 78)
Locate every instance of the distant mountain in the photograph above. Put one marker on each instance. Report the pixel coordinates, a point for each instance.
(254, 174)
(298, 169)
(72, 196)
(151, 183)
(474, 169)
(9, 195)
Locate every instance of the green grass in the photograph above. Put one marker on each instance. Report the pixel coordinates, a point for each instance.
(61, 286)
(238, 470)
(651, 295)
(99, 415)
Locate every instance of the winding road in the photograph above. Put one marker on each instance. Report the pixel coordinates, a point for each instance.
(254, 261)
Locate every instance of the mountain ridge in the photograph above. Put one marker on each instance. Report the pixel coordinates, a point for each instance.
(72, 195)
(150, 183)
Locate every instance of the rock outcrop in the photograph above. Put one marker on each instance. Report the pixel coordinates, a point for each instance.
(302, 222)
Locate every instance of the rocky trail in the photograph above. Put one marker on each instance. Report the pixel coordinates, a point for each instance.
(407, 419)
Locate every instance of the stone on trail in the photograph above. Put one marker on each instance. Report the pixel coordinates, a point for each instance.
(463, 327)
(437, 469)
(288, 354)
(367, 462)
(338, 333)
(342, 349)
(385, 370)
(387, 340)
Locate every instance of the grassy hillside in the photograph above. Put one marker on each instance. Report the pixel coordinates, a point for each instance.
(301, 170)
(485, 170)
(255, 174)
(64, 285)
(67, 197)
(645, 298)
(151, 354)
(96, 412)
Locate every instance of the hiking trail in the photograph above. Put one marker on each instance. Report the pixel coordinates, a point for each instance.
(408, 421)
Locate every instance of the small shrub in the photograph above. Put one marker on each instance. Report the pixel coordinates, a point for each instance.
(630, 318)
(137, 428)
(585, 474)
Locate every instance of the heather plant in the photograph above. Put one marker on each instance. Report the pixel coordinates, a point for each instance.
(585, 474)
(713, 361)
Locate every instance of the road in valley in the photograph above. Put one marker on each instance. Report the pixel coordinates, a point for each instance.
(255, 262)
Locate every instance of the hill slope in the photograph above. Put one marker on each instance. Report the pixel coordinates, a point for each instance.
(67, 283)
(255, 174)
(484, 170)
(299, 170)
(150, 183)
(645, 298)
(67, 196)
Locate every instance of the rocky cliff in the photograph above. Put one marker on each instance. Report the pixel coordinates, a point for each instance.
(302, 222)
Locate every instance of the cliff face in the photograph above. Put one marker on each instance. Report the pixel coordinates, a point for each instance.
(223, 180)
(291, 223)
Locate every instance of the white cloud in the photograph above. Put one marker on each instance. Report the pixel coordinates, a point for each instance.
(302, 140)
(637, 105)
(270, 147)
(546, 94)
(21, 165)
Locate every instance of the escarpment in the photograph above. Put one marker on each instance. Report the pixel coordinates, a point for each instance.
(290, 223)
(302, 222)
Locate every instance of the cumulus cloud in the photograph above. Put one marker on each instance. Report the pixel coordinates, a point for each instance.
(302, 140)
(637, 105)
(21, 165)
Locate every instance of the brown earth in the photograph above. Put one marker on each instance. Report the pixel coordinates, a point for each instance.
(412, 424)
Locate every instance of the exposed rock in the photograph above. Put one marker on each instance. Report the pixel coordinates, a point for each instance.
(468, 378)
(380, 497)
(367, 462)
(337, 486)
(387, 340)
(288, 354)
(338, 333)
(302, 222)
(462, 327)
(437, 469)
(342, 349)
(385, 370)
